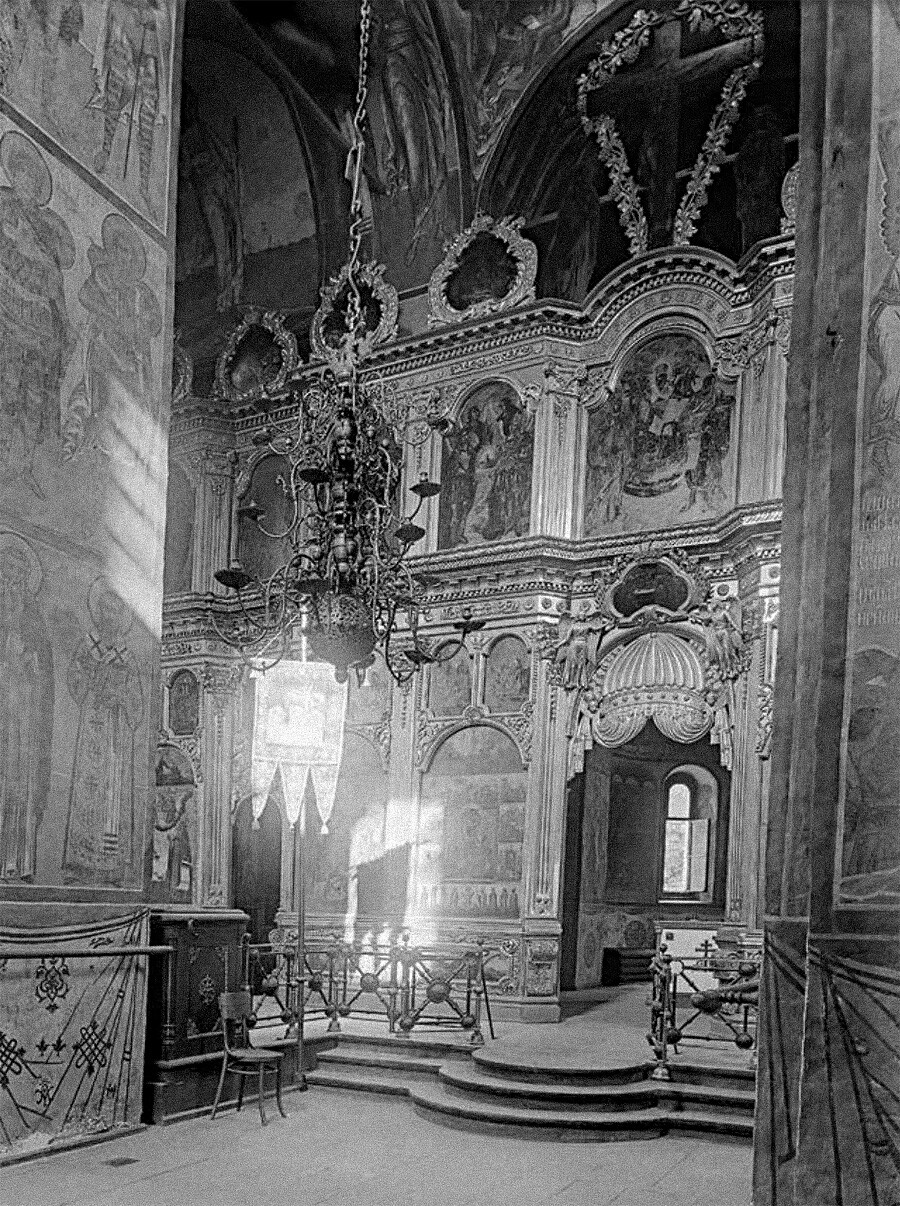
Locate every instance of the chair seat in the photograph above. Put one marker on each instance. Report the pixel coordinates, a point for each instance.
(255, 1055)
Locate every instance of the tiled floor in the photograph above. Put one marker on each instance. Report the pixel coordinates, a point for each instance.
(345, 1149)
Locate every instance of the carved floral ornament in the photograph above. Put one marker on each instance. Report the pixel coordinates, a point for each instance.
(258, 358)
(659, 644)
(735, 20)
(488, 268)
(379, 304)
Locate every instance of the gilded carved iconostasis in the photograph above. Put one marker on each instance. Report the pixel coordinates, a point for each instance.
(584, 309)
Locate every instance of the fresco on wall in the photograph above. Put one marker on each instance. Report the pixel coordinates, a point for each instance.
(96, 78)
(26, 708)
(870, 868)
(472, 827)
(507, 675)
(103, 825)
(246, 233)
(413, 139)
(450, 685)
(658, 448)
(81, 356)
(500, 48)
(36, 333)
(174, 826)
(486, 467)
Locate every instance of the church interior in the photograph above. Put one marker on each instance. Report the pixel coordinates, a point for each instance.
(413, 417)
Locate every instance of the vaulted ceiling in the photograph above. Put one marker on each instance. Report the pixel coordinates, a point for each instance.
(472, 105)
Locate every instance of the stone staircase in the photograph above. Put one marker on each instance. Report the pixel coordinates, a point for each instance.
(485, 1090)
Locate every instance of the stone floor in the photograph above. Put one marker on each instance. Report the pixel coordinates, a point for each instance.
(351, 1149)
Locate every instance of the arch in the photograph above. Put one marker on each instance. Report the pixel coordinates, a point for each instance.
(471, 826)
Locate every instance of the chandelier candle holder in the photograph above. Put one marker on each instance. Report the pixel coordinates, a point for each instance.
(346, 585)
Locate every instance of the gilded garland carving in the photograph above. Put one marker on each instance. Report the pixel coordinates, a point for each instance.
(712, 153)
(735, 21)
(520, 250)
(622, 184)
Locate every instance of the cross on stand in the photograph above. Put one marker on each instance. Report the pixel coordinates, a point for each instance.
(658, 84)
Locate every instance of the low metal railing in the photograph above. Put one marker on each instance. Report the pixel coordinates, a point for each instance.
(683, 1010)
(403, 984)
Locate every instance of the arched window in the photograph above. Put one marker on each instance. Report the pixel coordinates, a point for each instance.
(690, 822)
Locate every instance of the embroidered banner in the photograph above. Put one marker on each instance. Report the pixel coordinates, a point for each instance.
(299, 732)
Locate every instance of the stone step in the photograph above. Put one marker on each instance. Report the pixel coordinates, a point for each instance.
(469, 1078)
(420, 1043)
(366, 1057)
(722, 1123)
(389, 1082)
(560, 1070)
(471, 1113)
(728, 1076)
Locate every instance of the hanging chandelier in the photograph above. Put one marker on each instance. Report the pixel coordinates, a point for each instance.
(346, 587)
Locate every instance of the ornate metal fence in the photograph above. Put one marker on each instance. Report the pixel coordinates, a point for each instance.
(681, 1009)
(405, 985)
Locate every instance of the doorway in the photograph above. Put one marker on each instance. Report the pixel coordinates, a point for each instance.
(646, 837)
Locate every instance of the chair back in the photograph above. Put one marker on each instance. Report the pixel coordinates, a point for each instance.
(234, 1009)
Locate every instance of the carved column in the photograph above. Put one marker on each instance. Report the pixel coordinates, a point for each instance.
(220, 687)
(556, 442)
(214, 475)
(543, 853)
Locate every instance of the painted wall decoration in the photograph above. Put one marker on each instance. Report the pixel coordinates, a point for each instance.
(71, 1033)
(26, 708)
(414, 141)
(246, 225)
(80, 348)
(103, 825)
(123, 318)
(85, 162)
(507, 675)
(174, 826)
(96, 79)
(870, 869)
(36, 333)
(450, 685)
(486, 467)
(181, 500)
(660, 444)
(472, 824)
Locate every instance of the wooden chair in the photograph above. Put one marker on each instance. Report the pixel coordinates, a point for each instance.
(244, 1060)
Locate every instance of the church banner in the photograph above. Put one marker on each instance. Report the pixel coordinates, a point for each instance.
(298, 735)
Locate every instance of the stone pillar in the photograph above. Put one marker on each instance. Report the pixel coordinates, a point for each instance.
(214, 476)
(830, 1014)
(220, 687)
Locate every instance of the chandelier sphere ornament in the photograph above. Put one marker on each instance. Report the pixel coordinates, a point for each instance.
(345, 584)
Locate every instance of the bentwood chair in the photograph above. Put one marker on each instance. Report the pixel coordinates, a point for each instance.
(235, 1008)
